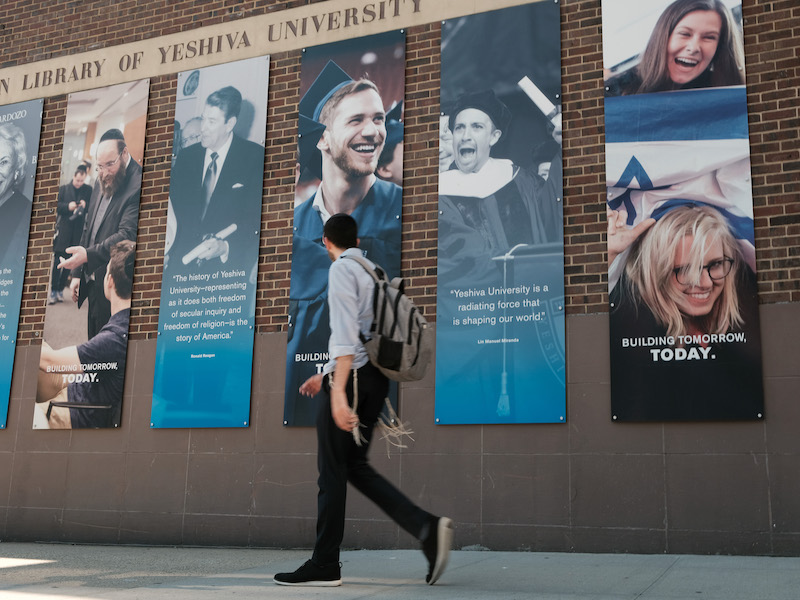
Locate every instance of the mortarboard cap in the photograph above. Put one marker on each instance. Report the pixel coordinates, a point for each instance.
(330, 79)
(485, 101)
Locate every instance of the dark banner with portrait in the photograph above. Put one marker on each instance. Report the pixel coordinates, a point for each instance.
(683, 303)
(20, 126)
(500, 291)
(350, 160)
(204, 352)
(85, 339)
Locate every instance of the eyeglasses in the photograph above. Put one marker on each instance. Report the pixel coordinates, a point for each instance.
(717, 269)
(108, 165)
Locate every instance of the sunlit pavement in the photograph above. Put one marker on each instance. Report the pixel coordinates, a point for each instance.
(76, 572)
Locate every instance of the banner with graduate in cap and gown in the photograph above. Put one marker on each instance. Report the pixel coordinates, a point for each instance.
(500, 335)
(350, 137)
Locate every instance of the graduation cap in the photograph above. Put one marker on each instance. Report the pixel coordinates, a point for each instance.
(331, 79)
(487, 102)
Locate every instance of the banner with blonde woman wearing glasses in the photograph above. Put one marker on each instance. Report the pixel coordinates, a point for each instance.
(683, 303)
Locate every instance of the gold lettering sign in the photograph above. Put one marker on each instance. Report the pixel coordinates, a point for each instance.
(254, 36)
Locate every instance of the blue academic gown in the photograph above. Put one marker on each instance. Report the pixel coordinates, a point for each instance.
(378, 218)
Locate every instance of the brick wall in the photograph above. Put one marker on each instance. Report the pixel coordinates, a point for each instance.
(37, 31)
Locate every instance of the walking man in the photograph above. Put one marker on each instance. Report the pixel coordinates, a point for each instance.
(339, 457)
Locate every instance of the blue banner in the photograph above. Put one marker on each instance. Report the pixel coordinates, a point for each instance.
(20, 126)
(206, 324)
(500, 335)
(370, 191)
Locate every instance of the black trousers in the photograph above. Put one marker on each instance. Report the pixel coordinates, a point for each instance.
(99, 307)
(340, 460)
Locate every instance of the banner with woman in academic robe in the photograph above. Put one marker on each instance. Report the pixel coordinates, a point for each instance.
(20, 126)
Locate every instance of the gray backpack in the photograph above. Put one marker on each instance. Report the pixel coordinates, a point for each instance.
(400, 342)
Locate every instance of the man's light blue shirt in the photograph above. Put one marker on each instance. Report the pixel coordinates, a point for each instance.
(350, 290)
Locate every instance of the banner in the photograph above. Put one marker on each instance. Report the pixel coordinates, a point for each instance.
(20, 125)
(204, 352)
(85, 339)
(684, 327)
(349, 160)
(500, 287)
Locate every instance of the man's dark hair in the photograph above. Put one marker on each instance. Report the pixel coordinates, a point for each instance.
(342, 231)
(120, 266)
(228, 100)
(114, 134)
(80, 169)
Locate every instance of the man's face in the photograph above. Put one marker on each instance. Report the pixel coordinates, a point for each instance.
(393, 170)
(111, 166)
(78, 179)
(474, 135)
(544, 170)
(6, 167)
(214, 128)
(355, 136)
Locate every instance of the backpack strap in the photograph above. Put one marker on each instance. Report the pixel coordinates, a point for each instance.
(378, 276)
(377, 273)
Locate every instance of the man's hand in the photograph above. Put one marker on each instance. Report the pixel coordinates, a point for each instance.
(77, 259)
(312, 385)
(343, 415)
(619, 236)
(212, 248)
(74, 287)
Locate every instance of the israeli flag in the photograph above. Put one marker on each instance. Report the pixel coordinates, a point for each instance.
(670, 148)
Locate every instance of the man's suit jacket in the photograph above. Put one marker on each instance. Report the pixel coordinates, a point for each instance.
(236, 199)
(68, 229)
(119, 223)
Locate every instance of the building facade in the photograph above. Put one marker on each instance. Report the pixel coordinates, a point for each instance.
(589, 485)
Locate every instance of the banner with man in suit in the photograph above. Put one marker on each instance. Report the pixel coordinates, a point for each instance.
(206, 321)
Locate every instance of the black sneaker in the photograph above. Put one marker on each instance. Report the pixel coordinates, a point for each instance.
(436, 548)
(311, 574)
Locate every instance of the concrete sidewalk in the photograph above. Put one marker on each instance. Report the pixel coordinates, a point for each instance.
(70, 572)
